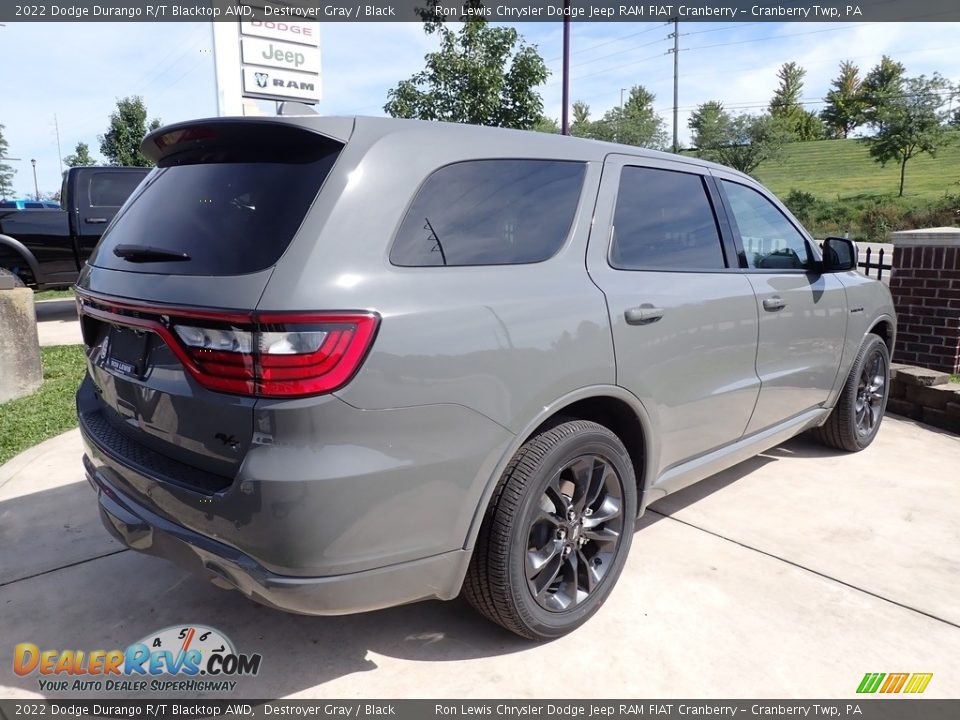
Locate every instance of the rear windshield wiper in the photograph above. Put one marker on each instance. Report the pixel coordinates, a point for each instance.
(146, 253)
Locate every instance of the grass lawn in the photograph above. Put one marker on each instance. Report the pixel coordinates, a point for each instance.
(26, 421)
(53, 295)
(841, 169)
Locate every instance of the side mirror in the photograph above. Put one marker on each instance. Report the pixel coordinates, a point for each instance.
(839, 255)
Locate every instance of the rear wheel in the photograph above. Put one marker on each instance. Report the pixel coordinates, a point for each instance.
(17, 282)
(556, 533)
(856, 419)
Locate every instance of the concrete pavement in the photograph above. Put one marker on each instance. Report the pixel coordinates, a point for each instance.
(790, 575)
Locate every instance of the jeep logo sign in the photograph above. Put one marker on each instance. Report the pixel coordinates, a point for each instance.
(279, 54)
(280, 85)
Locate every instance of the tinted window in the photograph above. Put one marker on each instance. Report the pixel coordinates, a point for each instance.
(769, 239)
(231, 214)
(111, 189)
(490, 212)
(664, 219)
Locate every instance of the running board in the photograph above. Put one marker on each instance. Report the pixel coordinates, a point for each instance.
(713, 462)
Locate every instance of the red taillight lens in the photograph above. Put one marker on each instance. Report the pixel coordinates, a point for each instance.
(277, 355)
(265, 354)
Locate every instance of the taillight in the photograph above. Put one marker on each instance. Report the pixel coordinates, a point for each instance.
(265, 354)
(286, 355)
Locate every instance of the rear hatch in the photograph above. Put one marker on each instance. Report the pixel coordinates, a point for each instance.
(177, 355)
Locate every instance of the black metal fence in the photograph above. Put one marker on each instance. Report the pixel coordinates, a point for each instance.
(866, 265)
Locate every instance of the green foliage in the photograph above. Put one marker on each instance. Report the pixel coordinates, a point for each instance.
(547, 125)
(128, 126)
(51, 410)
(710, 125)
(637, 123)
(6, 171)
(580, 124)
(845, 103)
(81, 157)
(750, 140)
(882, 83)
(786, 107)
(482, 75)
(910, 123)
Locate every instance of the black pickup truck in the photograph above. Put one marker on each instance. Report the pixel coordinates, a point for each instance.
(46, 248)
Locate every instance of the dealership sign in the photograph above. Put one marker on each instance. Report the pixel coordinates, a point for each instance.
(280, 60)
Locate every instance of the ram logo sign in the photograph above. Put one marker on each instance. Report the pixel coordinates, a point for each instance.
(280, 85)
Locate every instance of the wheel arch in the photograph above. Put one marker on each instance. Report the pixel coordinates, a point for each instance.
(12, 247)
(886, 328)
(609, 405)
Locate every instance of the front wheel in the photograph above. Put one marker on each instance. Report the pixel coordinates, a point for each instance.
(557, 532)
(856, 419)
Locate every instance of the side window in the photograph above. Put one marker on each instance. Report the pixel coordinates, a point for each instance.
(490, 212)
(111, 189)
(664, 219)
(771, 242)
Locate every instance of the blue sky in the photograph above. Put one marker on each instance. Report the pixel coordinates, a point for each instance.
(77, 71)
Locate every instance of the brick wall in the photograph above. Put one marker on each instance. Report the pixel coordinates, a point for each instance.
(925, 285)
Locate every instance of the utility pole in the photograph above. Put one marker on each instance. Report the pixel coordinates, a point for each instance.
(620, 116)
(565, 115)
(36, 188)
(56, 129)
(676, 77)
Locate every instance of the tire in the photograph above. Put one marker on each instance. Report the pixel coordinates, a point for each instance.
(17, 282)
(564, 510)
(856, 419)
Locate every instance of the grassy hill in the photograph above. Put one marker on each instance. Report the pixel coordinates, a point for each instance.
(842, 170)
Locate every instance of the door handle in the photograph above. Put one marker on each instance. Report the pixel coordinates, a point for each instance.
(643, 315)
(95, 221)
(774, 303)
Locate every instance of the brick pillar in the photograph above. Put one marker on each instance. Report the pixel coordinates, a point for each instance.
(925, 285)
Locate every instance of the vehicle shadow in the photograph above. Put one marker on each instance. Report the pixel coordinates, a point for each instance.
(801, 447)
(72, 587)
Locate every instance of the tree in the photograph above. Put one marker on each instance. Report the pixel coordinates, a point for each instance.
(845, 104)
(6, 171)
(128, 126)
(547, 125)
(750, 140)
(581, 126)
(81, 157)
(910, 123)
(786, 106)
(884, 82)
(482, 74)
(636, 123)
(710, 125)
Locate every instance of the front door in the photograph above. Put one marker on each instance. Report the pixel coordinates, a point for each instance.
(684, 316)
(803, 312)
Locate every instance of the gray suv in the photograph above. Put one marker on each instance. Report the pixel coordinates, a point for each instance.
(340, 364)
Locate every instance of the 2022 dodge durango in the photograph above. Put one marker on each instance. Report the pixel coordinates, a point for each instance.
(340, 364)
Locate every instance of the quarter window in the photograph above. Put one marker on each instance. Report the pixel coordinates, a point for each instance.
(490, 212)
(664, 220)
(770, 241)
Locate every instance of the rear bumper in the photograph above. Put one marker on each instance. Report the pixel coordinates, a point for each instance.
(436, 577)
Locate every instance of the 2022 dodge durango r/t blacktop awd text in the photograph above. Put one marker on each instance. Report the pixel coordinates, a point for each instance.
(340, 364)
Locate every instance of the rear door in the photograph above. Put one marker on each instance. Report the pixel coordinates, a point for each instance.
(803, 313)
(684, 317)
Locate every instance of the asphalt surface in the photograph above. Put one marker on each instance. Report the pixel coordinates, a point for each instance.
(790, 575)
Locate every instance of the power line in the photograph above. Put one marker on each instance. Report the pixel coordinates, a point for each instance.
(607, 42)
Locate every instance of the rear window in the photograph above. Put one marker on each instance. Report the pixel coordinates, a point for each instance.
(230, 210)
(111, 189)
(490, 212)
